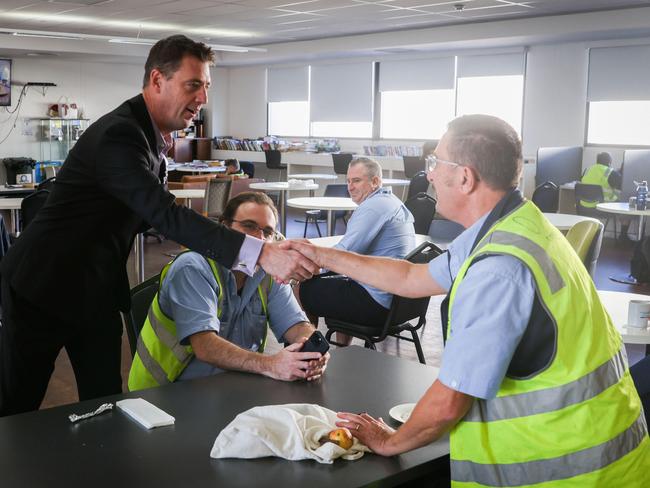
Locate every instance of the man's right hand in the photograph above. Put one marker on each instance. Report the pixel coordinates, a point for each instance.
(285, 264)
(289, 364)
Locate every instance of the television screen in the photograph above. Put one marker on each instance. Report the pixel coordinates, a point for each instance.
(5, 82)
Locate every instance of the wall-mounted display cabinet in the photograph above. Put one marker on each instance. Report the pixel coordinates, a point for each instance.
(57, 136)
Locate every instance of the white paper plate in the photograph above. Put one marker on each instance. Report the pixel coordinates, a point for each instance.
(402, 412)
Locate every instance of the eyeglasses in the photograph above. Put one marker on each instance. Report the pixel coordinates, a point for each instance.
(432, 161)
(252, 227)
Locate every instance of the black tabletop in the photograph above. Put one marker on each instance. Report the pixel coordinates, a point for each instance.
(44, 449)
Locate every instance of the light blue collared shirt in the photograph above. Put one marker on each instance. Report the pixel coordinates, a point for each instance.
(492, 308)
(189, 296)
(380, 226)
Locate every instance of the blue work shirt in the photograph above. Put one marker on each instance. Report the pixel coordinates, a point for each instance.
(189, 296)
(380, 226)
(492, 308)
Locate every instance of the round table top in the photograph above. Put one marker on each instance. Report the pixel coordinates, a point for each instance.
(188, 193)
(282, 186)
(566, 221)
(188, 168)
(312, 176)
(621, 208)
(394, 182)
(322, 203)
(10, 203)
(616, 303)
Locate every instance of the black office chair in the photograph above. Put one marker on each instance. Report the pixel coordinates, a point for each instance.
(636, 167)
(423, 208)
(274, 161)
(248, 168)
(402, 310)
(320, 216)
(412, 165)
(419, 184)
(341, 162)
(547, 197)
(141, 298)
(30, 206)
(585, 192)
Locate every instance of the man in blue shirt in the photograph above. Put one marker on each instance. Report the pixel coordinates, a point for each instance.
(523, 371)
(223, 314)
(380, 226)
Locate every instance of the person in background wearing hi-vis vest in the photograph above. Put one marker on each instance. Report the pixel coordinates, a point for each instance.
(610, 180)
(219, 318)
(534, 385)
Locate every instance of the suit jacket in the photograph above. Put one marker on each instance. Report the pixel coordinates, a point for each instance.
(71, 260)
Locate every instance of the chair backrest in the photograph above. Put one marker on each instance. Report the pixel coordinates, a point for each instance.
(197, 178)
(412, 165)
(442, 230)
(47, 184)
(273, 158)
(243, 184)
(418, 184)
(248, 168)
(341, 162)
(558, 164)
(216, 196)
(586, 192)
(586, 238)
(636, 167)
(547, 197)
(404, 309)
(335, 190)
(141, 298)
(423, 208)
(31, 204)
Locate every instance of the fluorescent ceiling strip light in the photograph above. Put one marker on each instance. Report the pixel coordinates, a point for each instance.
(48, 36)
(140, 42)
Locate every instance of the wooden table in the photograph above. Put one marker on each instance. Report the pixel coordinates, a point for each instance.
(329, 204)
(283, 187)
(44, 449)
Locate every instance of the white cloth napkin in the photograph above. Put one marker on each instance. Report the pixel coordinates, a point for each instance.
(287, 431)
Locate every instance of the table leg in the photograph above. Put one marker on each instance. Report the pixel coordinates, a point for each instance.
(330, 223)
(139, 257)
(15, 219)
(641, 227)
(283, 212)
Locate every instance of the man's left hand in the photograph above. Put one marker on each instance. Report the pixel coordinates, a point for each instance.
(317, 367)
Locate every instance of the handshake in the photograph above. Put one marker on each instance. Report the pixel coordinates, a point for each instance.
(291, 261)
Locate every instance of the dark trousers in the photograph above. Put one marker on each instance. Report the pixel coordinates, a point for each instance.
(640, 373)
(30, 341)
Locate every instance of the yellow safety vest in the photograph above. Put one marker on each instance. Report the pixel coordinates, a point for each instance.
(160, 358)
(578, 422)
(598, 174)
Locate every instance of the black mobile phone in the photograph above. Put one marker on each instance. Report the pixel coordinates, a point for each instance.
(316, 343)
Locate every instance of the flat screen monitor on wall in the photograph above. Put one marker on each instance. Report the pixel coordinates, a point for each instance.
(5, 82)
(558, 164)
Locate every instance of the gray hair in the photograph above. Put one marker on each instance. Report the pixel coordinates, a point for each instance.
(373, 168)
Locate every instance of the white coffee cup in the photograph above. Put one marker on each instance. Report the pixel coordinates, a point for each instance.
(638, 314)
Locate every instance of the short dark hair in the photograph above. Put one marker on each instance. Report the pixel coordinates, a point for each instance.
(604, 158)
(234, 162)
(490, 146)
(234, 203)
(167, 54)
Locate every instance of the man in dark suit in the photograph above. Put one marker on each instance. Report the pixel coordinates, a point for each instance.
(64, 282)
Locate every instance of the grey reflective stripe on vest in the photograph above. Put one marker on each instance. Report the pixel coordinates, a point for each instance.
(150, 364)
(559, 468)
(552, 275)
(168, 339)
(550, 399)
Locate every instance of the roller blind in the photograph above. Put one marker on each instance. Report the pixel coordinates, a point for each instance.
(288, 84)
(341, 92)
(417, 74)
(619, 73)
(491, 65)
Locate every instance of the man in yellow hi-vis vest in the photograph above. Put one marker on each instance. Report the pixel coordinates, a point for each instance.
(206, 318)
(534, 386)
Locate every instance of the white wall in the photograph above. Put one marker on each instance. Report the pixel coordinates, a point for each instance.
(97, 88)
